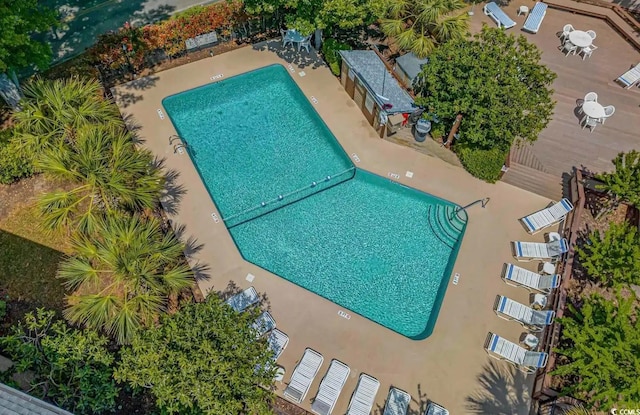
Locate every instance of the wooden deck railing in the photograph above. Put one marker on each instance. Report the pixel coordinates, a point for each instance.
(542, 385)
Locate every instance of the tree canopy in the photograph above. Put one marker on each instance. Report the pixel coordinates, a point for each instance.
(612, 257)
(123, 275)
(72, 368)
(495, 81)
(205, 359)
(419, 25)
(309, 15)
(601, 342)
(19, 20)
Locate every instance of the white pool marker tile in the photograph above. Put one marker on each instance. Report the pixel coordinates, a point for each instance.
(394, 175)
(215, 217)
(218, 76)
(409, 174)
(355, 158)
(291, 68)
(250, 277)
(314, 99)
(160, 114)
(456, 278)
(344, 315)
(302, 73)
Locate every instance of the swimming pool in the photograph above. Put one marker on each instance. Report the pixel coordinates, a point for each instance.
(296, 206)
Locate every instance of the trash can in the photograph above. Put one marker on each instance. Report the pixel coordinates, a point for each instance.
(422, 128)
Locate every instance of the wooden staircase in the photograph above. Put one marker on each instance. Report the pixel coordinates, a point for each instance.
(527, 172)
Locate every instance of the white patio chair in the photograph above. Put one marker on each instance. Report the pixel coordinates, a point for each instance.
(303, 375)
(330, 388)
(630, 78)
(532, 281)
(569, 47)
(364, 396)
(243, 300)
(532, 320)
(591, 33)
(589, 122)
(608, 112)
(306, 44)
(529, 251)
(566, 30)
(590, 97)
(285, 38)
(548, 216)
(587, 51)
(397, 402)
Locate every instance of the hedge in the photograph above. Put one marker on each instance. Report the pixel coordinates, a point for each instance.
(483, 164)
(330, 50)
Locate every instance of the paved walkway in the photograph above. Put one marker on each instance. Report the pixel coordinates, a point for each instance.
(451, 366)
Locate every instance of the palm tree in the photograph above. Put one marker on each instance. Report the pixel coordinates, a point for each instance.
(123, 276)
(104, 173)
(53, 111)
(418, 26)
(578, 410)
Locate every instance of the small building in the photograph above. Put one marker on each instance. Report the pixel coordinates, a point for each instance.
(384, 102)
(14, 402)
(408, 67)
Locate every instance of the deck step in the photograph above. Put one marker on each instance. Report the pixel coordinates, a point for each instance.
(525, 156)
(534, 181)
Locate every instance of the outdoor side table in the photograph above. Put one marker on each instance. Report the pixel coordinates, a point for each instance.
(531, 341)
(523, 10)
(548, 268)
(539, 301)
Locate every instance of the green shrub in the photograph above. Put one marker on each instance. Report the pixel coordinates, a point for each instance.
(330, 50)
(3, 309)
(483, 164)
(13, 165)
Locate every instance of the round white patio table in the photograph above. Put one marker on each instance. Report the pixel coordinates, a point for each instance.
(593, 110)
(580, 39)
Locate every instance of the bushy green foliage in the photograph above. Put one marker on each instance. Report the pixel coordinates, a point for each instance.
(72, 368)
(3, 309)
(483, 164)
(602, 344)
(205, 359)
(612, 257)
(495, 81)
(623, 184)
(330, 50)
(13, 164)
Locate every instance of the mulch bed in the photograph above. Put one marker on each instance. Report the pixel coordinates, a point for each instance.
(282, 407)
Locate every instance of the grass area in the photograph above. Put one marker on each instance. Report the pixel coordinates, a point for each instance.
(28, 263)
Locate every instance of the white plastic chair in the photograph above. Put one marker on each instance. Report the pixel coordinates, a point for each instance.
(608, 112)
(590, 97)
(566, 30)
(285, 39)
(306, 44)
(587, 51)
(569, 48)
(591, 33)
(590, 122)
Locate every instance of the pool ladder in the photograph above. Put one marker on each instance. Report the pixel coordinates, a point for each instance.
(483, 202)
(182, 145)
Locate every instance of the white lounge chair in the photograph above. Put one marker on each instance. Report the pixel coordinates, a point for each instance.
(330, 388)
(546, 217)
(435, 409)
(534, 19)
(630, 78)
(502, 349)
(277, 341)
(397, 402)
(364, 396)
(532, 281)
(303, 376)
(532, 319)
(243, 300)
(500, 17)
(264, 323)
(529, 251)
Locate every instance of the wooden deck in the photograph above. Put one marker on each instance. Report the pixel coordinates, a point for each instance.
(564, 144)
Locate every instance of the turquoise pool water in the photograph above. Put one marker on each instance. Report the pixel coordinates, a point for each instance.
(297, 207)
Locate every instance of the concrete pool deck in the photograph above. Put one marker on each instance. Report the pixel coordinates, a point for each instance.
(450, 367)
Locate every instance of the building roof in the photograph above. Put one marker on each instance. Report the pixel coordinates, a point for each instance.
(379, 81)
(14, 402)
(411, 65)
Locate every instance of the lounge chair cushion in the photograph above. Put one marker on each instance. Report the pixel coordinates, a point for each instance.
(534, 20)
(495, 12)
